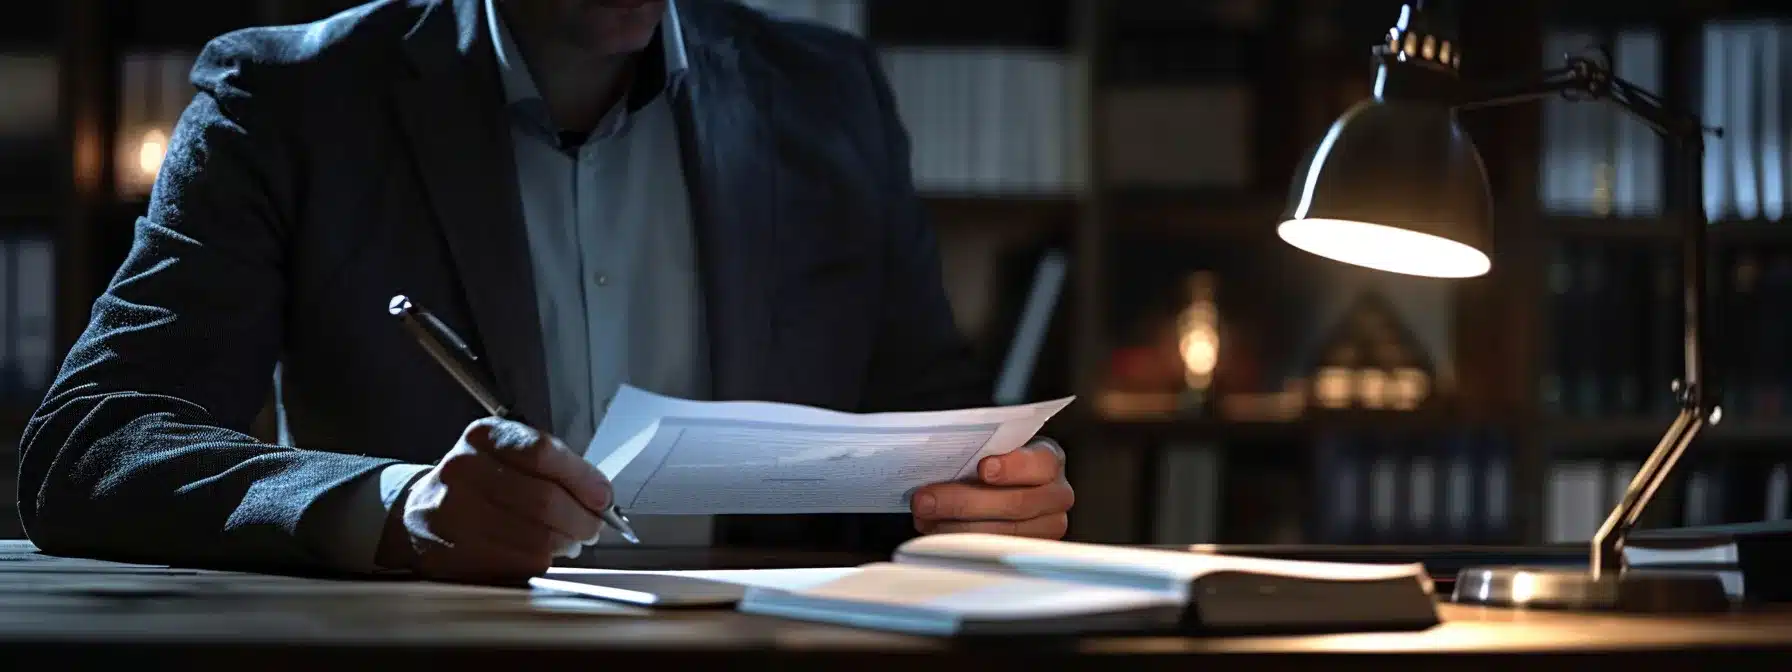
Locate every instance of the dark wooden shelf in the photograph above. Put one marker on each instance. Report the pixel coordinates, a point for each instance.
(1651, 228)
(1170, 212)
(1221, 431)
(1003, 210)
(1567, 434)
(1619, 228)
(1197, 430)
(1012, 23)
(1753, 231)
(27, 211)
(1649, 13)
(1197, 213)
(31, 25)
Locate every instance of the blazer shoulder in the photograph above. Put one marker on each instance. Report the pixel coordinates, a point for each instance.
(285, 61)
(794, 45)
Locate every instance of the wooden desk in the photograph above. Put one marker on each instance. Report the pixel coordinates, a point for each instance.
(81, 611)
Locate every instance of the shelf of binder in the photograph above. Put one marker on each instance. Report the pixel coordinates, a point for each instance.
(1723, 232)
(988, 121)
(1371, 362)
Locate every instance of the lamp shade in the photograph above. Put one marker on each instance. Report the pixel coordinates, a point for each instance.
(1396, 186)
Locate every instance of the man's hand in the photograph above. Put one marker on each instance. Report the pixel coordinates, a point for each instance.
(1022, 493)
(497, 509)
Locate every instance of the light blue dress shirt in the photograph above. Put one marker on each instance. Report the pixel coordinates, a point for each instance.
(613, 254)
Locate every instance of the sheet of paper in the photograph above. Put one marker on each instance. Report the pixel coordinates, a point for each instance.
(680, 457)
(802, 578)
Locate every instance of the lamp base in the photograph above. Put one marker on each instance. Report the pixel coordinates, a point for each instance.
(1562, 588)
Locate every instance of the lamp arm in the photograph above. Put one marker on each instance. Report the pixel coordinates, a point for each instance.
(1586, 79)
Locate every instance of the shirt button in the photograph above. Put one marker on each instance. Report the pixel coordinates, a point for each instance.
(601, 279)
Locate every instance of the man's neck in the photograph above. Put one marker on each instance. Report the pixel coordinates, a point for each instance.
(579, 87)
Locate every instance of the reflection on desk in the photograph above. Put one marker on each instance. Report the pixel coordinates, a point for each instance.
(88, 611)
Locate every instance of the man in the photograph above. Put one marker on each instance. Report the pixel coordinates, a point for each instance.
(690, 197)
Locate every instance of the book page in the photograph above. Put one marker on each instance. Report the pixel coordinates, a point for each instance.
(1138, 567)
(968, 594)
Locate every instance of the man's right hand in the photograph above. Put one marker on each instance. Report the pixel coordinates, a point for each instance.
(498, 508)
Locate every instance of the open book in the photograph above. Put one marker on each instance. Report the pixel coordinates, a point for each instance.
(971, 584)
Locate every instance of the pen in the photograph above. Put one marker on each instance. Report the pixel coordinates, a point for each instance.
(453, 354)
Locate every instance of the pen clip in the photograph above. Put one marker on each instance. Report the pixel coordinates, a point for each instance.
(448, 349)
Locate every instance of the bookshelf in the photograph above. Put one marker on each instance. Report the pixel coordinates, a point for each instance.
(1718, 59)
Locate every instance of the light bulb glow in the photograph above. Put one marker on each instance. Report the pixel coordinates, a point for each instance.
(1200, 352)
(1385, 248)
(1372, 388)
(1332, 387)
(150, 152)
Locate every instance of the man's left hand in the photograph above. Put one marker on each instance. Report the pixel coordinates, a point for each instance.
(1022, 493)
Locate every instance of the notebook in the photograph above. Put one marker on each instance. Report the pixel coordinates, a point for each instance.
(1749, 557)
(977, 584)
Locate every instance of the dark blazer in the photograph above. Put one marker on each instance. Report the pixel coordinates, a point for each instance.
(323, 168)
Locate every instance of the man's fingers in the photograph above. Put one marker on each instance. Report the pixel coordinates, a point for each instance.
(538, 500)
(520, 446)
(528, 539)
(974, 501)
(1049, 526)
(1033, 464)
(475, 524)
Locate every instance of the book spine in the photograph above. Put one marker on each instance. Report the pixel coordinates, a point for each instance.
(1587, 394)
(1740, 285)
(1495, 451)
(1772, 323)
(35, 298)
(1423, 495)
(1552, 393)
(1575, 490)
(1627, 363)
(1338, 514)
(1458, 491)
(1665, 339)
(1385, 489)
(10, 388)
(1779, 493)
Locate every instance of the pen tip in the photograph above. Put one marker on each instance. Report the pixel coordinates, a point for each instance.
(630, 536)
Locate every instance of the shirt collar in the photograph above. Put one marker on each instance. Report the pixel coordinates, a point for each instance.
(519, 85)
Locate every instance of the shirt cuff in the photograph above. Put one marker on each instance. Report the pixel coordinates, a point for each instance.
(353, 522)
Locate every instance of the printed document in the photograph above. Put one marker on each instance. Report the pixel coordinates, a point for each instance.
(672, 456)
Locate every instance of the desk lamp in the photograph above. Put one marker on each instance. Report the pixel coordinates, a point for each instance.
(1396, 185)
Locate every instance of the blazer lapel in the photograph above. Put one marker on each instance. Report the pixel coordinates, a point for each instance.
(450, 112)
(725, 156)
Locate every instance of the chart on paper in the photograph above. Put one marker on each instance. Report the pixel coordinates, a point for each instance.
(695, 466)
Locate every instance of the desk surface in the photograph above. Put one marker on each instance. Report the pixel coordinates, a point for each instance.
(76, 608)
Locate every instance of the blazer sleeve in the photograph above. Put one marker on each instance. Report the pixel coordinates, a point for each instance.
(140, 448)
(921, 361)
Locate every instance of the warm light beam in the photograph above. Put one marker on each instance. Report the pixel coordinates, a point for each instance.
(150, 152)
(1385, 248)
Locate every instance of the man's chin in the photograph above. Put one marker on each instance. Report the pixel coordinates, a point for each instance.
(617, 26)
